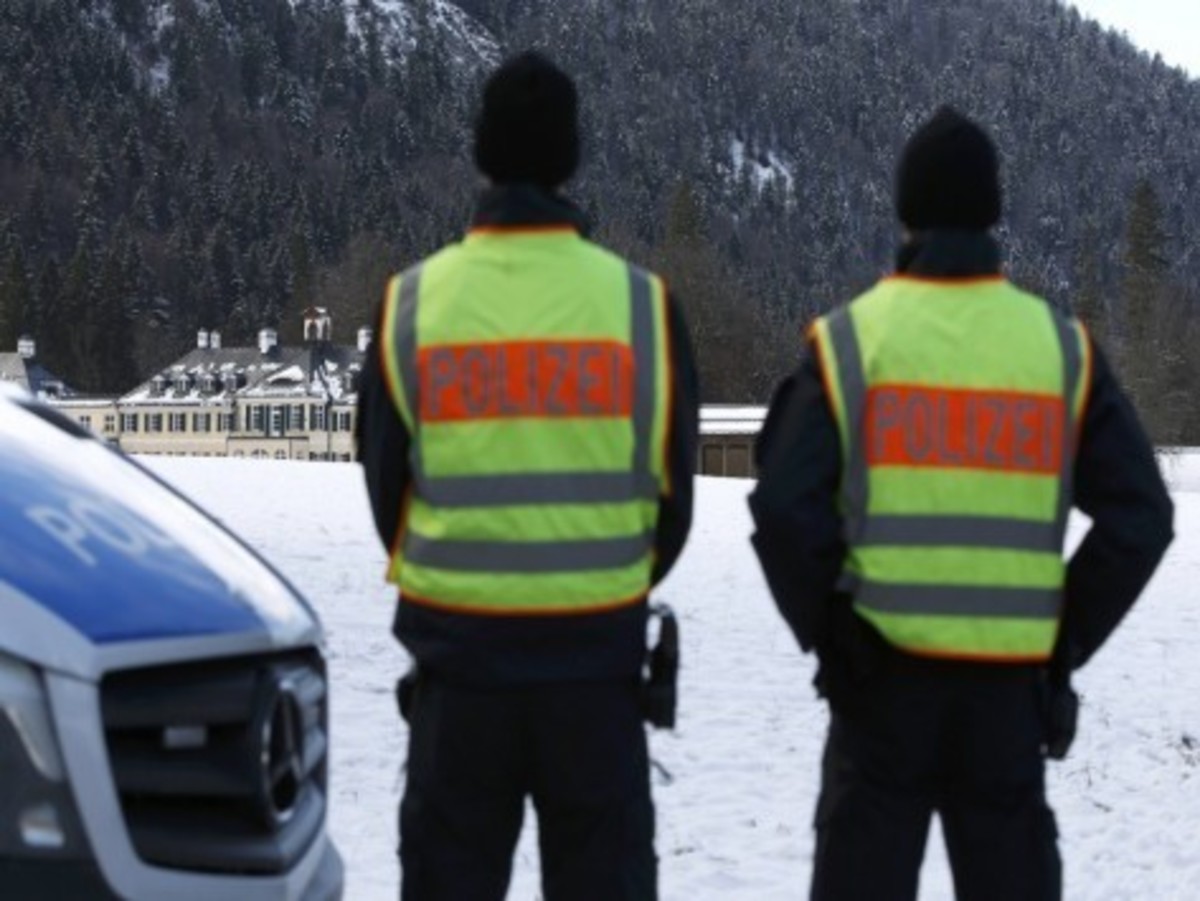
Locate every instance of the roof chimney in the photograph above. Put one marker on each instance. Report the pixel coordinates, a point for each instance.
(202, 339)
(214, 340)
(267, 339)
(364, 339)
(318, 324)
(26, 347)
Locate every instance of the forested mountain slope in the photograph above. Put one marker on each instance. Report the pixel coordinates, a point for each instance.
(171, 164)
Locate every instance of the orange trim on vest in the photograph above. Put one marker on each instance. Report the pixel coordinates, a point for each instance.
(525, 379)
(1086, 375)
(946, 279)
(966, 657)
(520, 612)
(401, 524)
(556, 228)
(669, 431)
(382, 340)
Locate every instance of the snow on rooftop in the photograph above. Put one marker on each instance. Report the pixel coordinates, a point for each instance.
(731, 420)
(292, 374)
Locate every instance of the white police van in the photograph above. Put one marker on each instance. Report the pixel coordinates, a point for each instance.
(163, 727)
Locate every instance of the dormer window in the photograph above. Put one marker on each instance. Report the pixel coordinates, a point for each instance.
(208, 383)
(158, 385)
(183, 383)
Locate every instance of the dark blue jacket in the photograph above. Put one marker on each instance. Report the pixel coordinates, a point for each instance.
(504, 650)
(798, 534)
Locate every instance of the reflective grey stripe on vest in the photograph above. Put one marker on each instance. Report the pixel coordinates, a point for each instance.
(933, 530)
(1072, 366)
(641, 319)
(528, 557)
(406, 351)
(514, 489)
(959, 531)
(853, 382)
(960, 600)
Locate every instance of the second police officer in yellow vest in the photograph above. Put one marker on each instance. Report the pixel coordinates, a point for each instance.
(528, 435)
(916, 474)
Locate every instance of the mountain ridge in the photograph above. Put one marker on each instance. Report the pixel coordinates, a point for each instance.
(274, 152)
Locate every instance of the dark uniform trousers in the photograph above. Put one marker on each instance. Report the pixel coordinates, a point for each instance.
(578, 749)
(922, 736)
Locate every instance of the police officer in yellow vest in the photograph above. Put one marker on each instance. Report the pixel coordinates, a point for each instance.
(916, 475)
(527, 431)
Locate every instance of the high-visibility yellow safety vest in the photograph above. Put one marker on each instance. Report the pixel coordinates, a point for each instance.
(959, 404)
(531, 370)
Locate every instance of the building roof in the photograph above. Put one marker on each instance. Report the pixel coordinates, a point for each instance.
(212, 375)
(32, 376)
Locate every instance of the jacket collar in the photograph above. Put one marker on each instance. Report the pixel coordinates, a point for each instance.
(524, 207)
(949, 253)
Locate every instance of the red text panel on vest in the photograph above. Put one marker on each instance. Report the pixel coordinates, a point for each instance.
(525, 379)
(959, 429)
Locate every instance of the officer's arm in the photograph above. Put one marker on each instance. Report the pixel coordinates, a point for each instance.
(1117, 484)
(675, 506)
(382, 440)
(798, 535)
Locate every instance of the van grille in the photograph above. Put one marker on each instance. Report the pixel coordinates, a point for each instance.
(220, 765)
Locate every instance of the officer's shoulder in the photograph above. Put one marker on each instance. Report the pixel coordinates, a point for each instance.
(601, 255)
(1063, 317)
(430, 264)
(871, 295)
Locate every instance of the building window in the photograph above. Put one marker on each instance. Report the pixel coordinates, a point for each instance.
(129, 422)
(154, 422)
(278, 420)
(345, 421)
(226, 422)
(110, 422)
(176, 422)
(85, 421)
(201, 422)
(256, 419)
(297, 423)
(281, 455)
(318, 419)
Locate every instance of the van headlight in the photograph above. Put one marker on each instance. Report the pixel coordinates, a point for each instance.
(37, 814)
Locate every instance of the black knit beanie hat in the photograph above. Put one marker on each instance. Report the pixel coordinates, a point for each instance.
(949, 176)
(527, 129)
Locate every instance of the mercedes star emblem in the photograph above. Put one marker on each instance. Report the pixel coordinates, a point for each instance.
(281, 768)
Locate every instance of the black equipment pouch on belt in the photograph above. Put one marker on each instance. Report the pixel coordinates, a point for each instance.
(406, 690)
(1061, 709)
(662, 671)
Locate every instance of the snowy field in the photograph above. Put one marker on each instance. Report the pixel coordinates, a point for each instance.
(734, 824)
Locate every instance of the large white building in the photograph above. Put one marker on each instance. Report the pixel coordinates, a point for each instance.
(267, 401)
(291, 403)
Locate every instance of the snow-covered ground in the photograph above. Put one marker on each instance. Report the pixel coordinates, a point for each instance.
(734, 824)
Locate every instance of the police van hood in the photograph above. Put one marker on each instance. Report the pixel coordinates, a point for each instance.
(103, 566)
